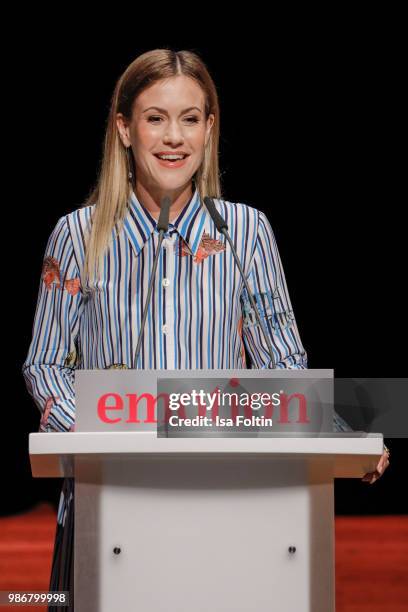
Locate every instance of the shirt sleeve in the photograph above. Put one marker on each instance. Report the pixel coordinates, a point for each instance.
(267, 283)
(48, 369)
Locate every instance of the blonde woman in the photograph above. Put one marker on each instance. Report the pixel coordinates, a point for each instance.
(161, 139)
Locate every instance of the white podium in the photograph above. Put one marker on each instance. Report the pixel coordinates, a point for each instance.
(203, 524)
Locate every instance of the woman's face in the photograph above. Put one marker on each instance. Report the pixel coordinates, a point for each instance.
(168, 117)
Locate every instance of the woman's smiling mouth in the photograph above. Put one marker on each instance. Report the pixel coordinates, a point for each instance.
(171, 160)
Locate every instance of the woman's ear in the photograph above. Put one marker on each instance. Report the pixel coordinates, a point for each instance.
(123, 129)
(210, 123)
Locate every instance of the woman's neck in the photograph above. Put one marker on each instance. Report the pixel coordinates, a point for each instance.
(151, 201)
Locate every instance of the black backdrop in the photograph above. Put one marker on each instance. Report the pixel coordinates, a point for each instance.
(307, 135)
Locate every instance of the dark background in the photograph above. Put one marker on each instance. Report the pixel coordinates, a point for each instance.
(309, 134)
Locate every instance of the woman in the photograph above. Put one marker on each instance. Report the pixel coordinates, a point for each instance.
(98, 261)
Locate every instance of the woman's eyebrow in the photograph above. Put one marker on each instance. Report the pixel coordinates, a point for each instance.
(163, 110)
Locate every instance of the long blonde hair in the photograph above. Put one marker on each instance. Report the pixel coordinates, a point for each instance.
(112, 191)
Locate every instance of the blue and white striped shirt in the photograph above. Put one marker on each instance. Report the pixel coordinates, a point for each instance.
(199, 316)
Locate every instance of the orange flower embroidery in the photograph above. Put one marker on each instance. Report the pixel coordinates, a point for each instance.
(208, 246)
(184, 248)
(72, 285)
(51, 272)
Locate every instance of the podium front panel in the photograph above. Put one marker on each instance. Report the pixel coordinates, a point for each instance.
(229, 533)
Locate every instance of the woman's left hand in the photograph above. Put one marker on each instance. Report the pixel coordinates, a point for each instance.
(383, 463)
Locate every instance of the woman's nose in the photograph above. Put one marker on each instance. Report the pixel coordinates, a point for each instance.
(174, 132)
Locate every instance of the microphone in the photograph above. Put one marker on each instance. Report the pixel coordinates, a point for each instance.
(162, 226)
(222, 227)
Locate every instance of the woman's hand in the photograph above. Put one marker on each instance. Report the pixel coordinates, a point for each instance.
(383, 463)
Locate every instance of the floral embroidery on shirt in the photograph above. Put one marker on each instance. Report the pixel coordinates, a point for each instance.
(70, 359)
(271, 306)
(117, 366)
(51, 273)
(74, 357)
(72, 285)
(208, 246)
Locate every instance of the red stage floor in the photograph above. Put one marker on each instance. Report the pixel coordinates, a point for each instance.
(371, 559)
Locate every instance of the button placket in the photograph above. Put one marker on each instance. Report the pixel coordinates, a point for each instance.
(167, 287)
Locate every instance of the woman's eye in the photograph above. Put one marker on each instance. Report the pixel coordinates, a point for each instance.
(154, 118)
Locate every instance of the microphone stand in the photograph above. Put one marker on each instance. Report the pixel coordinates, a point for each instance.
(222, 227)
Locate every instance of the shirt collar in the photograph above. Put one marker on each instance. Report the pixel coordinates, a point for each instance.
(190, 222)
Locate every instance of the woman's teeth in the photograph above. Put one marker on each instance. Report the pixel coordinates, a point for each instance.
(171, 157)
(172, 160)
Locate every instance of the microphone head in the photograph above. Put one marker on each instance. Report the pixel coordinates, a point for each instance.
(163, 222)
(219, 221)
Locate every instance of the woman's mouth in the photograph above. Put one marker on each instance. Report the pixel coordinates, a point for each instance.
(170, 161)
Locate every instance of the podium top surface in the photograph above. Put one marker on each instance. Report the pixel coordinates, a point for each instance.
(53, 454)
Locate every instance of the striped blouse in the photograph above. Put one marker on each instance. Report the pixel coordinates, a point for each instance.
(199, 316)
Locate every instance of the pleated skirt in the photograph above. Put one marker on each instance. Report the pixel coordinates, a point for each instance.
(62, 569)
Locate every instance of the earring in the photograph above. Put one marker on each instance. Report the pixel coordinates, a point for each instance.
(130, 173)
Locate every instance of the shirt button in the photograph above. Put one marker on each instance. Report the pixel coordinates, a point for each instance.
(165, 282)
(165, 328)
